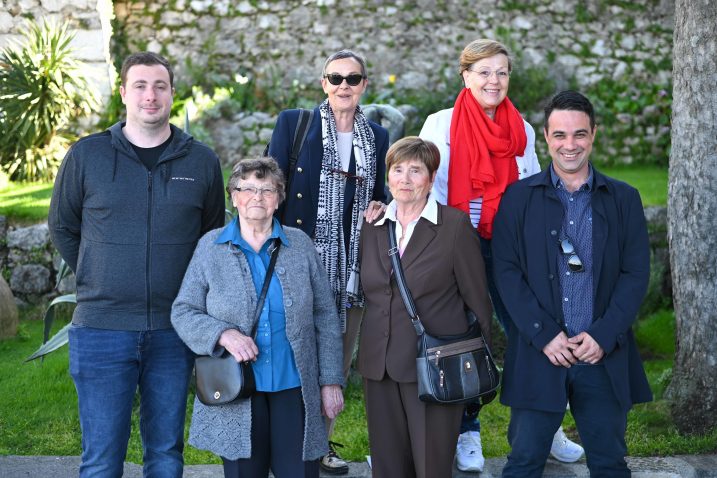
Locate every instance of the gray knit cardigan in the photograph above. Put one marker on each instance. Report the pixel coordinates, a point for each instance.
(218, 294)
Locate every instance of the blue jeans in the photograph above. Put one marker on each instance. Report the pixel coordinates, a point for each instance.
(600, 419)
(470, 421)
(107, 366)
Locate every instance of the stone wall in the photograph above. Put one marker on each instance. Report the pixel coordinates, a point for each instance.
(29, 263)
(89, 18)
(618, 52)
(417, 41)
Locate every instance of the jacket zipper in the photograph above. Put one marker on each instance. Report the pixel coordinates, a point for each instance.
(148, 252)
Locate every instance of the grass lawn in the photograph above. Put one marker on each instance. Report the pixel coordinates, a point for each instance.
(42, 419)
(25, 203)
(651, 181)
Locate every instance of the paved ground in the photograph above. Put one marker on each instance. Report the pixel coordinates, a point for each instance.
(700, 466)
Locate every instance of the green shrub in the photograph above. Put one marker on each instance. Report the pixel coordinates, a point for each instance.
(633, 120)
(42, 89)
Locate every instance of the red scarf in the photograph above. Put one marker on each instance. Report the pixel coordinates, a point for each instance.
(483, 153)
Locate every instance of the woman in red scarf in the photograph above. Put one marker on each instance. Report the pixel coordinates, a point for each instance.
(485, 145)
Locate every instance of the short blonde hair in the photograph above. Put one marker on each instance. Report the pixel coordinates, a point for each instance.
(413, 147)
(480, 49)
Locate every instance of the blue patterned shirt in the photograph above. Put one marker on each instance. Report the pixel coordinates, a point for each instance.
(275, 367)
(576, 288)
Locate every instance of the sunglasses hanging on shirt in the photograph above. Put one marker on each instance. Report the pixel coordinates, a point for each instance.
(574, 262)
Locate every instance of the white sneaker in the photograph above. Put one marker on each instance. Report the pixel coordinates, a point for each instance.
(469, 452)
(564, 449)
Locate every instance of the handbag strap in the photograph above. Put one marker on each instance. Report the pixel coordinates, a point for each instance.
(300, 133)
(265, 287)
(402, 287)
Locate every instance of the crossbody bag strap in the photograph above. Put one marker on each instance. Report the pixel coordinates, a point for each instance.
(300, 133)
(265, 287)
(398, 274)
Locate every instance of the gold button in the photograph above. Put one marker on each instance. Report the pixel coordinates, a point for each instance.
(298, 195)
(299, 170)
(299, 222)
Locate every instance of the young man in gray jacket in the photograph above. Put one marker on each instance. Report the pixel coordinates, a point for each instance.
(127, 210)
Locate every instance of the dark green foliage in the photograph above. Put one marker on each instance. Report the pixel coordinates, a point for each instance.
(634, 120)
(42, 89)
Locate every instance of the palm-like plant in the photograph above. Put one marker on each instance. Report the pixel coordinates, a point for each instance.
(42, 90)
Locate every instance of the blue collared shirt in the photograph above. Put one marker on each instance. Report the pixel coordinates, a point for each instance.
(275, 367)
(576, 288)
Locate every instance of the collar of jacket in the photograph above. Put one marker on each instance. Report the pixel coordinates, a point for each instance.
(181, 142)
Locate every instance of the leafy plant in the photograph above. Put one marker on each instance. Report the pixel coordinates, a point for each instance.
(61, 337)
(42, 89)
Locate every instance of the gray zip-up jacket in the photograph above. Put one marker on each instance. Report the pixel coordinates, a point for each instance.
(128, 232)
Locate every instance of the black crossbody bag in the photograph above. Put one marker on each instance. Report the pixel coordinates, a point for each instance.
(221, 380)
(450, 368)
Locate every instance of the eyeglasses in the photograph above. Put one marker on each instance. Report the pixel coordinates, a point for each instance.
(574, 262)
(353, 79)
(347, 175)
(501, 75)
(251, 191)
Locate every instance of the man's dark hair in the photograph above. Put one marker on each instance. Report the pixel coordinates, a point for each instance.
(571, 101)
(147, 58)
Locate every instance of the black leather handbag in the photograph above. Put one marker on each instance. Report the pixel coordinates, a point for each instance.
(452, 368)
(221, 380)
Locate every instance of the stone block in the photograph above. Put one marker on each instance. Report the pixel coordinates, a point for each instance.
(28, 238)
(8, 311)
(30, 279)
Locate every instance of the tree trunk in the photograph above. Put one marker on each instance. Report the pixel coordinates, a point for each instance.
(692, 216)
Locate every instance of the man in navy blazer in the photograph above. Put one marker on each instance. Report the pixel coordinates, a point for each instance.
(571, 260)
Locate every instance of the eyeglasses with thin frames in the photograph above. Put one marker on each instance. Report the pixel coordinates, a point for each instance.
(501, 75)
(251, 191)
(574, 262)
(353, 79)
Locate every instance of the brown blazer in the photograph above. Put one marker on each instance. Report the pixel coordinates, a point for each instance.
(444, 270)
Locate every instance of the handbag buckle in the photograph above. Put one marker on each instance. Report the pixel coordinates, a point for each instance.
(217, 395)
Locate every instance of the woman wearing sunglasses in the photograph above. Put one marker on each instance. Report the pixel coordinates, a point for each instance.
(485, 145)
(338, 179)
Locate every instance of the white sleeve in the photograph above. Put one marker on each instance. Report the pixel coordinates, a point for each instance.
(528, 163)
(438, 132)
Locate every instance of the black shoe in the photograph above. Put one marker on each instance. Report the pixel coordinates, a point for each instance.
(332, 463)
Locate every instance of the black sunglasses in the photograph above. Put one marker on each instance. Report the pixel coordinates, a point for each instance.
(335, 79)
(574, 262)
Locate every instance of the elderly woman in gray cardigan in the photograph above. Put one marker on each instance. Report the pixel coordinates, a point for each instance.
(297, 351)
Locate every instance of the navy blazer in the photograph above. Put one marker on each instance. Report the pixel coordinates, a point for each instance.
(525, 257)
(302, 199)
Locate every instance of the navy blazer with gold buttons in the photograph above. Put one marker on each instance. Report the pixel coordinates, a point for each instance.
(302, 200)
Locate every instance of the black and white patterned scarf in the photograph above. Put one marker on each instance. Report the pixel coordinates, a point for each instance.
(343, 271)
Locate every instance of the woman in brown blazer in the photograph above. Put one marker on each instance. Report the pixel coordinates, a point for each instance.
(443, 268)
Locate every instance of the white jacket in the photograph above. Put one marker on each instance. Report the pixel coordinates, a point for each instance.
(437, 129)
